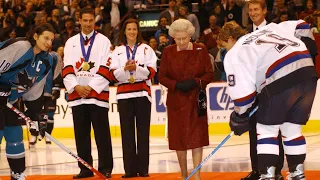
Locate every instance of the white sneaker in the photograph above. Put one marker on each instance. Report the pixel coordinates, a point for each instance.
(33, 140)
(18, 176)
(298, 174)
(48, 141)
(270, 174)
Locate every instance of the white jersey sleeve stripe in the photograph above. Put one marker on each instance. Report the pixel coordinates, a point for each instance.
(303, 25)
(290, 58)
(245, 100)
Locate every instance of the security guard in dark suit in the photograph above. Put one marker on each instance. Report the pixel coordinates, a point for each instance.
(257, 13)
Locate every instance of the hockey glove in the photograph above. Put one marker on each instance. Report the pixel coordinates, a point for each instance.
(4, 94)
(239, 124)
(43, 127)
(38, 125)
(55, 94)
(186, 85)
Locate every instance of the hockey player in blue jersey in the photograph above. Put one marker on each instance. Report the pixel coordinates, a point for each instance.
(51, 94)
(273, 64)
(24, 65)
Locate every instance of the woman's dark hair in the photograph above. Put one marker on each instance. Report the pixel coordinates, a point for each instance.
(39, 30)
(122, 36)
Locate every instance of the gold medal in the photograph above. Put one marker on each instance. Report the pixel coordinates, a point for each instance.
(86, 66)
(131, 79)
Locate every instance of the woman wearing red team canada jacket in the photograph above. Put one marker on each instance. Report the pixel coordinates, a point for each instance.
(132, 67)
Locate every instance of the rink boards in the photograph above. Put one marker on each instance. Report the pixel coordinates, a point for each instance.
(219, 108)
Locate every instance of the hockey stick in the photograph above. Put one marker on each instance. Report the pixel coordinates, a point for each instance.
(217, 148)
(28, 136)
(28, 120)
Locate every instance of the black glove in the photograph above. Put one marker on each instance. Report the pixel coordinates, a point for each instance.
(55, 94)
(43, 126)
(186, 85)
(4, 94)
(239, 124)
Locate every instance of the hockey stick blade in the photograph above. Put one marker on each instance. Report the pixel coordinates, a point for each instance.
(58, 143)
(217, 148)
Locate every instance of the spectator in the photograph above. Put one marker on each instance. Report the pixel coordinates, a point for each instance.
(171, 13)
(243, 4)
(217, 11)
(76, 18)
(39, 5)
(64, 10)
(153, 43)
(187, 125)
(69, 31)
(73, 7)
(164, 42)
(307, 14)
(205, 8)
(283, 16)
(134, 97)
(163, 25)
(183, 13)
(60, 51)
(29, 13)
(233, 12)
(55, 20)
(151, 2)
(3, 8)
(9, 19)
(88, 87)
(209, 35)
(98, 19)
(12, 34)
(282, 6)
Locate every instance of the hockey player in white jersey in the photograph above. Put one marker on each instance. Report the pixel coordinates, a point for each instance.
(275, 66)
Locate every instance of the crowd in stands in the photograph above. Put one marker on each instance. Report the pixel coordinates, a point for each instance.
(18, 16)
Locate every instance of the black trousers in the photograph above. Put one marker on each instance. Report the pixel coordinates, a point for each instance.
(83, 116)
(135, 114)
(253, 146)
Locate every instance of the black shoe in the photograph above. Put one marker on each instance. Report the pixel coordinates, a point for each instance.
(83, 174)
(129, 175)
(107, 174)
(144, 175)
(279, 176)
(253, 175)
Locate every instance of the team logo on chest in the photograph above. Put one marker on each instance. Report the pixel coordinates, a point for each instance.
(84, 66)
(24, 81)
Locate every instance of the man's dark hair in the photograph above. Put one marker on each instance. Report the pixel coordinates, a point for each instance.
(86, 10)
(39, 30)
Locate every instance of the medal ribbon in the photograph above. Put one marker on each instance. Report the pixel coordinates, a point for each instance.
(133, 53)
(87, 55)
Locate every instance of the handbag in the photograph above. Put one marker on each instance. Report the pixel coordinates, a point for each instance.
(202, 101)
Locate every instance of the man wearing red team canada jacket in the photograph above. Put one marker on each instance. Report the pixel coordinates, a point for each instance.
(85, 78)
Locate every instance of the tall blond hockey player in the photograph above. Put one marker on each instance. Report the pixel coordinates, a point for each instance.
(274, 65)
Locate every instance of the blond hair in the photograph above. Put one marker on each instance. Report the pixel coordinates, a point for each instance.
(231, 29)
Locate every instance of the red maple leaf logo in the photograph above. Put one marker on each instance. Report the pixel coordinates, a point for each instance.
(78, 64)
